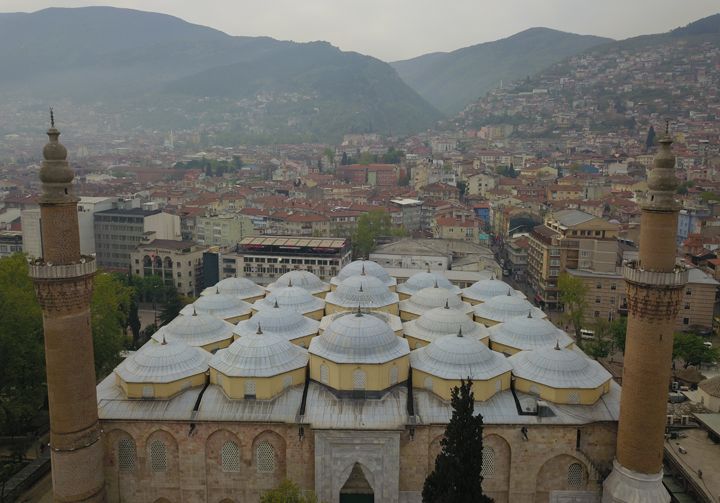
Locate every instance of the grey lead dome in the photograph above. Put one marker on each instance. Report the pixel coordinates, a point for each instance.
(455, 357)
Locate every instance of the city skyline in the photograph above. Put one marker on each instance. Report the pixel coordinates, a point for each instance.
(408, 29)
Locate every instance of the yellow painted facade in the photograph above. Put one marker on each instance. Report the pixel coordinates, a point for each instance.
(235, 319)
(314, 315)
(418, 343)
(159, 390)
(472, 302)
(563, 396)
(509, 350)
(485, 321)
(341, 376)
(483, 390)
(265, 387)
(211, 348)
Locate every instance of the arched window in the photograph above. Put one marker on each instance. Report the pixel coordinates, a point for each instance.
(359, 379)
(148, 392)
(287, 381)
(573, 397)
(393, 375)
(576, 476)
(249, 389)
(534, 390)
(157, 262)
(126, 454)
(230, 457)
(168, 263)
(158, 456)
(428, 384)
(324, 374)
(498, 385)
(265, 457)
(147, 261)
(488, 462)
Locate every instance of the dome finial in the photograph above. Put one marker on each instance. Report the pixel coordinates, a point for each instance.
(362, 273)
(289, 282)
(361, 287)
(557, 344)
(52, 118)
(276, 306)
(436, 285)
(492, 276)
(217, 289)
(509, 294)
(194, 311)
(460, 332)
(447, 303)
(358, 313)
(164, 342)
(529, 313)
(259, 330)
(428, 266)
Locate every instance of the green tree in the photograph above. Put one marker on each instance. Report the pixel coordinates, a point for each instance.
(573, 293)
(134, 320)
(110, 310)
(22, 361)
(287, 492)
(690, 348)
(618, 333)
(366, 158)
(601, 345)
(457, 475)
(369, 227)
(172, 306)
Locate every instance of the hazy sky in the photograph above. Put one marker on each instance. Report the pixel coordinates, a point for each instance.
(399, 29)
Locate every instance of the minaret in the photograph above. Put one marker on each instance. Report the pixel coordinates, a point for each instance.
(63, 283)
(654, 288)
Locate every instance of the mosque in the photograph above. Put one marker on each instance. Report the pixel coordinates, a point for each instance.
(344, 388)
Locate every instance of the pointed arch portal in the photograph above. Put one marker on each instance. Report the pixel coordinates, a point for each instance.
(357, 489)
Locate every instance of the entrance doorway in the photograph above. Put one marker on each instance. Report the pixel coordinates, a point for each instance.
(357, 489)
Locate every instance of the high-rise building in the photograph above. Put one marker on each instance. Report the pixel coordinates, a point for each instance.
(63, 283)
(654, 285)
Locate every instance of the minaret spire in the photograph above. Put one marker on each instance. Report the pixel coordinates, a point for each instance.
(63, 281)
(654, 286)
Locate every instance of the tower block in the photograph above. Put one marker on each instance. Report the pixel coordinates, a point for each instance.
(654, 289)
(63, 282)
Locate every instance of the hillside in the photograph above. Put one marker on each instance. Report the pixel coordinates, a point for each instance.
(161, 72)
(617, 88)
(452, 80)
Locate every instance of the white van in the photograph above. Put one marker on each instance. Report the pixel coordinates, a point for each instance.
(586, 333)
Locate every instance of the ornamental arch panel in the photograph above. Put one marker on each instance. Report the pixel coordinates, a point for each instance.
(560, 473)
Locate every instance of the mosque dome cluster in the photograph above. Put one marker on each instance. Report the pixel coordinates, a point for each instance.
(362, 339)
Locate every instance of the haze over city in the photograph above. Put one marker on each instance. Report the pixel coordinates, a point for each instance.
(400, 29)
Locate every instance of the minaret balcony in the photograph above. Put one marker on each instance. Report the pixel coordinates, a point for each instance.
(39, 269)
(634, 273)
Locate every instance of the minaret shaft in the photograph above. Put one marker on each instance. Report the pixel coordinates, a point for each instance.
(654, 288)
(63, 283)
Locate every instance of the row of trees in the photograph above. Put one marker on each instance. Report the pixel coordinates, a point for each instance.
(212, 167)
(114, 310)
(609, 336)
(371, 226)
(392, 156)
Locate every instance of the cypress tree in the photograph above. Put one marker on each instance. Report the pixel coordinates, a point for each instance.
(456, 477)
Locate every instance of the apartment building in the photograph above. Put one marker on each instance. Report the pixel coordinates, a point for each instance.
(222, 230)
(569, 239)
(179, 263)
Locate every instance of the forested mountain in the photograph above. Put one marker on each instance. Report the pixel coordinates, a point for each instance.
(132, 61)
(452, 80)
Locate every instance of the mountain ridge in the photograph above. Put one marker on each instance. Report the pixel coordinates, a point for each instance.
(451, 80)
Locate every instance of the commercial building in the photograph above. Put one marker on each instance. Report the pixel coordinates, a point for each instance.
(119, 231)
(265, 258)
(222, 230)
(178, 263)
(11, 242)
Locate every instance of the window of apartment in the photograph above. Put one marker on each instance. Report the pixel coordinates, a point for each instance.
(179, 274)
(612, 301)
(598, 233)
(597, 300)
(137, 261)
(613, 286)
(688, 291)
(686, 321)
(687, 306)
(597, 314)
(554, 272)
(598, 286)
(555, 262)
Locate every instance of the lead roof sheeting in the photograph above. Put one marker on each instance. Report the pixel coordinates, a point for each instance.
(113, 405)
(302, 279)
(394, 321)
(163, 363)
(504, 307)
(486, 289)
(429, 298)
(241, 288)
(453, 357)
(439, 321)
(526, 333)
(363, 291)
(279, 321)
(216, 406)
(421, 280)
(369, 267)
(359, 339)
(195, 330)
(293, 297)
(219, 305)
(259, 355)
(559, 368)
(324, 410)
